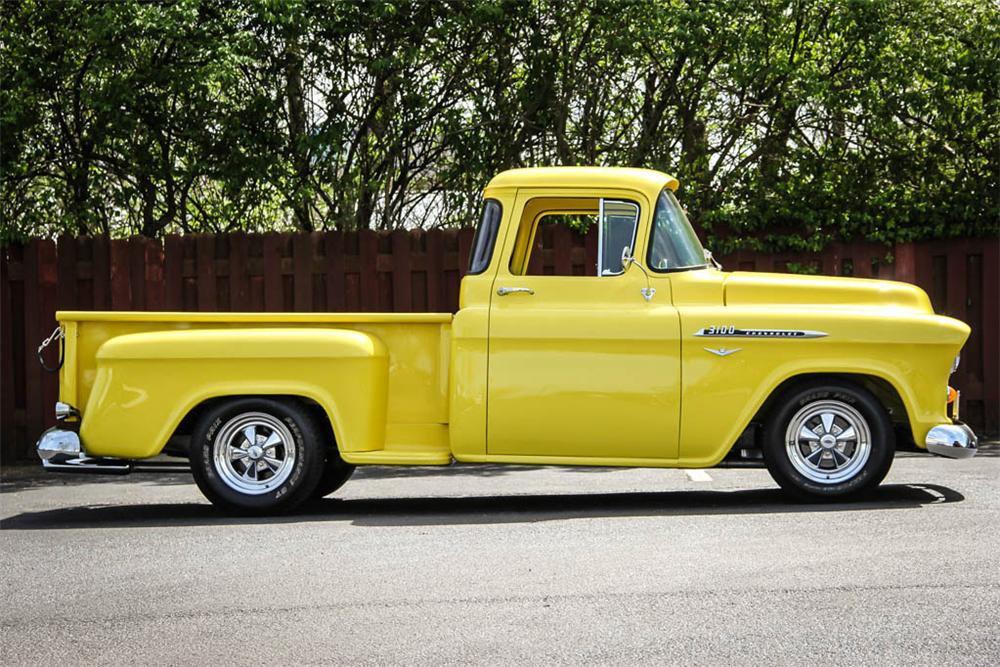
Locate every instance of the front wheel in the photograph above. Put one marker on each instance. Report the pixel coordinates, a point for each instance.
(828, 440)
(257, 455)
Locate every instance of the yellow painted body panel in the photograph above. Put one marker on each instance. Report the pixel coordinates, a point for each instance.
(583, 371)
(147, 382)
(583, 367)
(911, 351)
(181, 359)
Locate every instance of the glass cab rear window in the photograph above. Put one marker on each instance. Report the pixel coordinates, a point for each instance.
(486, 237)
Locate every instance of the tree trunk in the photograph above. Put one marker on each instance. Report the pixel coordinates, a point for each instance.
(297, 136)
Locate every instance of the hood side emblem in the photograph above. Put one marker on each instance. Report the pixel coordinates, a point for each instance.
(722, 352)
(729, 331)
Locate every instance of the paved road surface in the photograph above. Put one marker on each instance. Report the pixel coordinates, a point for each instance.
(508, 565)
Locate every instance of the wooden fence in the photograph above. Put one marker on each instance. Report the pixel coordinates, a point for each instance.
(396, 271)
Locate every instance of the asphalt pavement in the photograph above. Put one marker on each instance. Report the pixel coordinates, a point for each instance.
(507, 565)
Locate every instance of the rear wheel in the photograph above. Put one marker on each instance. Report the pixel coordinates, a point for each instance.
(828, 440)
(257, 455)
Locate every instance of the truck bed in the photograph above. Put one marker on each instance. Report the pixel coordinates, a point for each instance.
(416, 428)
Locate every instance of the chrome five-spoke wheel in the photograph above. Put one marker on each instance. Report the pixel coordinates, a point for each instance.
(828, 442)
(254, 453)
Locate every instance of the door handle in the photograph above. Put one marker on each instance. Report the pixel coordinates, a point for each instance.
(504, 291)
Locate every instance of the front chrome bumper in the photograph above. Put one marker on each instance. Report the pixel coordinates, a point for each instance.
(954, 441)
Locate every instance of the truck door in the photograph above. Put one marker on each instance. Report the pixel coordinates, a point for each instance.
(581, 364)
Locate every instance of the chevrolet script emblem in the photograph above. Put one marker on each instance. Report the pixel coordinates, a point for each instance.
(723, 352)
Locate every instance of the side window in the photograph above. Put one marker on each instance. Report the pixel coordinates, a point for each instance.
(619, 221)
(560, 245)
(486, 237)
(579, 236)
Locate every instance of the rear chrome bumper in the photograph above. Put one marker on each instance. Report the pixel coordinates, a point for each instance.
(953, 441)
(58, 442)
(61, 451)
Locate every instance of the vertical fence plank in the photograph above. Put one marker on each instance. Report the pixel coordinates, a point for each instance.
(922, 269)
(562, 244)
(829, 258)
(991, 330)
(402, 290)
(590, 251)
(273, 293)
(906, 262)
(956, 278)
(32, 336)
(435, 271)
(66, 288)
(39, 278)
(973, 315)
(7, 384)
(368, 247)
(101, 264)
(939, 283)
(205, 261)
(352, 278)
(239, 281)
(333, 247)
(121, 293)
(173, 278)
(153, 275)
(137, 272)
(302, 270)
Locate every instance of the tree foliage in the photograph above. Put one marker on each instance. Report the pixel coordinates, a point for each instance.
(789, 123)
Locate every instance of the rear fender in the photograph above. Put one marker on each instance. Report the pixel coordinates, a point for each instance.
(147, 382)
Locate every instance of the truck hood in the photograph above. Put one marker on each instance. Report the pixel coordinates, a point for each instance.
(787, 289)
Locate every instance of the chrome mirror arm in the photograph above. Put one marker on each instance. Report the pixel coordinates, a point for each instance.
(628, 261)
(710, 258)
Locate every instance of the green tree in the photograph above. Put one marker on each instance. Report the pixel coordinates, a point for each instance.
(788, 122)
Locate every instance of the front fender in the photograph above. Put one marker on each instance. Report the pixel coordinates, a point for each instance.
(147, 382)
(911, 351)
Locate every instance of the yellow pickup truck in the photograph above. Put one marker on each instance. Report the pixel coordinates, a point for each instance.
(655, 357)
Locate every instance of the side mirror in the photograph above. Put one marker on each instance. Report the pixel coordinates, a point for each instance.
(711, 259)
(627, 258)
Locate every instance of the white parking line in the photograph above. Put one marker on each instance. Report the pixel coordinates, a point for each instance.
(698, 475)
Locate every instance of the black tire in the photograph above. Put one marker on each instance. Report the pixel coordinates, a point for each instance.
(336, 472)
(300, 461)
(812, 473)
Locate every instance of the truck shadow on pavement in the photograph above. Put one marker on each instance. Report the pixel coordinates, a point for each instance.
(484, 509)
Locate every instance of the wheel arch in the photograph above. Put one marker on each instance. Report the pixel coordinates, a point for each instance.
(884, 391)
(179, 438)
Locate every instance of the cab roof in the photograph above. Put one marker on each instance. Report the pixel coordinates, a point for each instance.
(583, 177)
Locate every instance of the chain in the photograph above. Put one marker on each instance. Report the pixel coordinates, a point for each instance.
(57, 334)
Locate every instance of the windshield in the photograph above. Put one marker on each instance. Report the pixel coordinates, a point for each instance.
(673, 243)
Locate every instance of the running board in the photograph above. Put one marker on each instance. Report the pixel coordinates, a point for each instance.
(99, 465)
(740, 463)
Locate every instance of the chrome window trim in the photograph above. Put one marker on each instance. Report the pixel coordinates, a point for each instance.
(600, 233)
